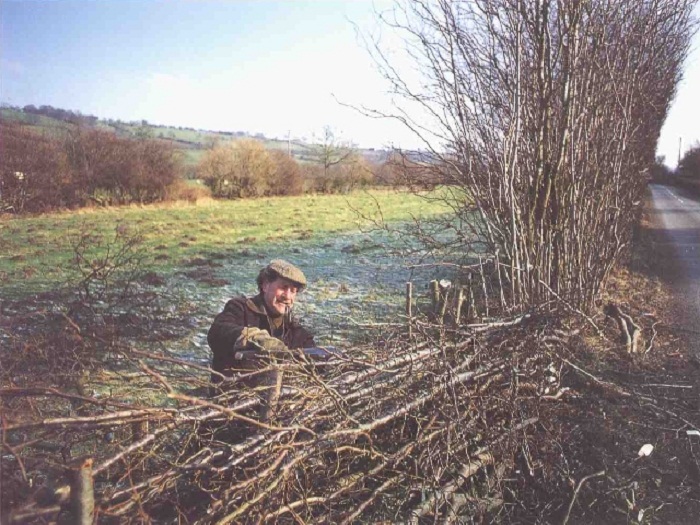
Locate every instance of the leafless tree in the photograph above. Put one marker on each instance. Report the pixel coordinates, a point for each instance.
(328, 152)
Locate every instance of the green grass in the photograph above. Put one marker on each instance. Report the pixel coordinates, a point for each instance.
(37, 252)
(38, 123)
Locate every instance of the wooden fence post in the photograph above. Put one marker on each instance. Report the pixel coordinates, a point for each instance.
(458, 304)
(409, 308)
(471, 304)
(483, 286)
(139, 430)
(444, 299)
(82, 492)
(434, 296)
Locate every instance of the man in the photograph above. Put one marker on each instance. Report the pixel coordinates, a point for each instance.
(263, 322)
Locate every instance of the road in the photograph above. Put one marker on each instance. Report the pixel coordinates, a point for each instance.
(676, 230)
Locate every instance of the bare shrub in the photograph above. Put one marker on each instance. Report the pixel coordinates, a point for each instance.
(42, 172)
(110, 170)
(287, 178)
(311, 174)
(157, 166)
(545, 120)
(33, 174)
(184, 190)
(66, 354)
(352, 173)
(238, 169)
(335, 165)
(328, 151)
(660, 172)
(107, 269)
(405, 170)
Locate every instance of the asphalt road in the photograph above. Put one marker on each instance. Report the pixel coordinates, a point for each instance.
(676, 231)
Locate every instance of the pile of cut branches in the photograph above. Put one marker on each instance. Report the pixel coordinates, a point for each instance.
(399, 431)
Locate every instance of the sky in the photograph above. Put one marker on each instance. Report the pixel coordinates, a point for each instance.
(682, 126)
(274, 67)
(261, 66)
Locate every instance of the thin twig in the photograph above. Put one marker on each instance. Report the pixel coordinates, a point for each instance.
(578, 487)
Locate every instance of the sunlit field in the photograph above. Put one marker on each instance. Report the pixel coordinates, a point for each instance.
(208, 252)
(37, 251)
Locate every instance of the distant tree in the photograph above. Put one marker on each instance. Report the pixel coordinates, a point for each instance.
(689, 166)
(238, 169)
(339, 165)
(406, 170)
(328, 151)
(660, 172)
(157, 167)
(354, 172)
(90, 120)
(144, 131)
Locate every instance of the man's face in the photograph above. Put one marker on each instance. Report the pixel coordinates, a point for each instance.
(279, 295)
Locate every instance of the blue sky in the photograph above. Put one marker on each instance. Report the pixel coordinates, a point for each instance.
(259, 66)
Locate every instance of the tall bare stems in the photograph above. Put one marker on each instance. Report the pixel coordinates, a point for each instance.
(546, 114)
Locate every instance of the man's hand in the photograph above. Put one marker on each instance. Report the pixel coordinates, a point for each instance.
(258, 338)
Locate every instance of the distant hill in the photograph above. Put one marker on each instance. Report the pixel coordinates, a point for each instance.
(192, 142)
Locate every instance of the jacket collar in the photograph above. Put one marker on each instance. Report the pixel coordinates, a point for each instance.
(257, 305)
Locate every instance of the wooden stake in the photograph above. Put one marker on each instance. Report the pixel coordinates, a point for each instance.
(483, 285)
(434, 296)
(458, 305)
(444, 298)
(272, 395)
(82, 495)
(471, 305)
(409, 307)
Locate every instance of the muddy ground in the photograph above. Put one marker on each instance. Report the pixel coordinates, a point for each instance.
(620, 402)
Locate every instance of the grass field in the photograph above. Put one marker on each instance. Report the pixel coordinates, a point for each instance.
(211, 251)
(37, 251)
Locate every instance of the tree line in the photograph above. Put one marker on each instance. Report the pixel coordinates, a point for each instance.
(245, 168)
(84, 166)
(65, 115)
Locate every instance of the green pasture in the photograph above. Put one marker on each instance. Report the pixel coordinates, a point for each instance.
(39, 123)
(38, 252)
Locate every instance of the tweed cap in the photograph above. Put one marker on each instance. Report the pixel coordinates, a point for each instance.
(287, 271)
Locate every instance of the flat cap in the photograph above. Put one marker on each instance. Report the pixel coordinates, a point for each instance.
(288, 271)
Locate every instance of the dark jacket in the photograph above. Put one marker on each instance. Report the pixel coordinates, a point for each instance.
(240, 313)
